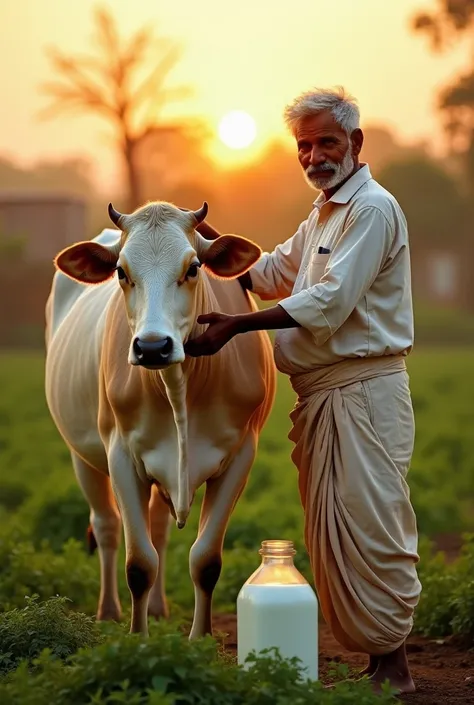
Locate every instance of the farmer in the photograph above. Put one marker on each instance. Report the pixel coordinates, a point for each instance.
(345, 327)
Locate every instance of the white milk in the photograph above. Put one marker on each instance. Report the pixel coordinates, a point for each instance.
(277, 607)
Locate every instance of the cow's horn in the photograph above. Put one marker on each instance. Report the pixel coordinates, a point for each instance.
(201, 213)
(114, 215)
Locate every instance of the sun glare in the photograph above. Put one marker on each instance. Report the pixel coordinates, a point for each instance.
(237, 129)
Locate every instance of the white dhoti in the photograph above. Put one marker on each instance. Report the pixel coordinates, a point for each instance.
(353, 430)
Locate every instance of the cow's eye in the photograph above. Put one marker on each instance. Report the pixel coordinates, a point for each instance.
(193, 270)
(121, 274)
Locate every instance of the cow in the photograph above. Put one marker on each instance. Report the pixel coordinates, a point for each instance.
(146, 425)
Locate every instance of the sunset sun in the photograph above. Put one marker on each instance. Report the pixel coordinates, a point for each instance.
(237, 129)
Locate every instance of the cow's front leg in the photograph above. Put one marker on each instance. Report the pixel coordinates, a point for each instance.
(205, 559)
(159, 526)
(105, 524)
(133, 497)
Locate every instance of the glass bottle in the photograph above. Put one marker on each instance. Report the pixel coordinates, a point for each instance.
(278, 607)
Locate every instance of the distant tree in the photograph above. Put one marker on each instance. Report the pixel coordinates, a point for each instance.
(169, 162)
(106, 83)
(450, 21)
(381, 146)
(444, 25)
(431, 199)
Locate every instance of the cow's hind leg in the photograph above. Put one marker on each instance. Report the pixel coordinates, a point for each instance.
(133, 497)
(205, 558)
(106, 527)
(159, 528)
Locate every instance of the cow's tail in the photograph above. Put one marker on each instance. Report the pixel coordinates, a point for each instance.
(91, 541)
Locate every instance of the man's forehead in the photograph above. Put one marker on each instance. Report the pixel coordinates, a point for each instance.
(322, 123)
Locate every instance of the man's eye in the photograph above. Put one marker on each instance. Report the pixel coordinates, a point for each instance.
(192, 271)
(121, 274)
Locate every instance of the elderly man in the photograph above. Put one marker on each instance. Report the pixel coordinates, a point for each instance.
(345, 325)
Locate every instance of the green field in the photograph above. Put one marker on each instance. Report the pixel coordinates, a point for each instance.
(40, 499)
(43, 519)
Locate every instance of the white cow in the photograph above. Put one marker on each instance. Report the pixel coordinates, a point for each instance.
(145, 425)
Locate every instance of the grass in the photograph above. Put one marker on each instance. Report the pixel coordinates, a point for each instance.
(39, 497)
(43, 518)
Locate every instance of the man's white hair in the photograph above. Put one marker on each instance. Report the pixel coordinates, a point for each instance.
(342, 106)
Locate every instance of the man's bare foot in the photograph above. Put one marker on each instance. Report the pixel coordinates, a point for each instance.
(394, 668)
(371, 667)
(401, 682)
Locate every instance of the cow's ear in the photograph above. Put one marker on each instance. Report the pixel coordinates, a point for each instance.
(229, 256)
(87, 262)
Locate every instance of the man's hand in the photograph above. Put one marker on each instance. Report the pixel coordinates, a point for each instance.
(222, 328)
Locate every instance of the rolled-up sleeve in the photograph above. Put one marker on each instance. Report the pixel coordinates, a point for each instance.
(274, 275)
(351, 269)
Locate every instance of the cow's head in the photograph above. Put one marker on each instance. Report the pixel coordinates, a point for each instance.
(157, 261)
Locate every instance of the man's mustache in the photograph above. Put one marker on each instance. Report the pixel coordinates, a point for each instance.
(315, 170)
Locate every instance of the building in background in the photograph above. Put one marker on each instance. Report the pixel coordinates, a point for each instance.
(41, 223)
(34, 227)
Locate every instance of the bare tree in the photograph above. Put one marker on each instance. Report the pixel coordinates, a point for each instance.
(108, 83)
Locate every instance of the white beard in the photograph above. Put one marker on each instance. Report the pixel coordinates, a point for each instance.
(339, 172)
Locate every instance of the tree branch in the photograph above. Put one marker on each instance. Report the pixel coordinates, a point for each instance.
(451, 19)
(105, 83)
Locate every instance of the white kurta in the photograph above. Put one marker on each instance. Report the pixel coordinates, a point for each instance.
(354, 301)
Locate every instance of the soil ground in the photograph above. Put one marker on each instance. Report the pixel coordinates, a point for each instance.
(442, 669)
(443, 672)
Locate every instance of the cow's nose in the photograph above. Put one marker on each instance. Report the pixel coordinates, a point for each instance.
(154, 352)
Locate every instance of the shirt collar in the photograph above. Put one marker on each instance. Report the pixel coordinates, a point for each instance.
(348, 189)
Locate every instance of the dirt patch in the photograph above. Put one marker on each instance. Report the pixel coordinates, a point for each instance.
(443, 672)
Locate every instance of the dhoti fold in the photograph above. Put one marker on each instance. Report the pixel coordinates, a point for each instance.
(353, 430)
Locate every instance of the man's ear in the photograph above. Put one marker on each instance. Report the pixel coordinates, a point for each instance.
(357, 139)
(229, 256)
(88, 262)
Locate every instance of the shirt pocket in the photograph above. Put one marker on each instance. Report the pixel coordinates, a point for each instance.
(316, 267)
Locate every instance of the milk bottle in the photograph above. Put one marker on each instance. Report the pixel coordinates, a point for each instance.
(277, 607)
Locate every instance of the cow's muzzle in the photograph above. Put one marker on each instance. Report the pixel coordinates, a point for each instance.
(154, 354)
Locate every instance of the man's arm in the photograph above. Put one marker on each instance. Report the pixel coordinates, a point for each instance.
(223, 328)
(352, 267)
(274, 318)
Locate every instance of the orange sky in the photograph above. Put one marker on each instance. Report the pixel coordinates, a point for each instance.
(253, 55)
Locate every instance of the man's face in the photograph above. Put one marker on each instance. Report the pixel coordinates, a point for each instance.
(325, 151)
